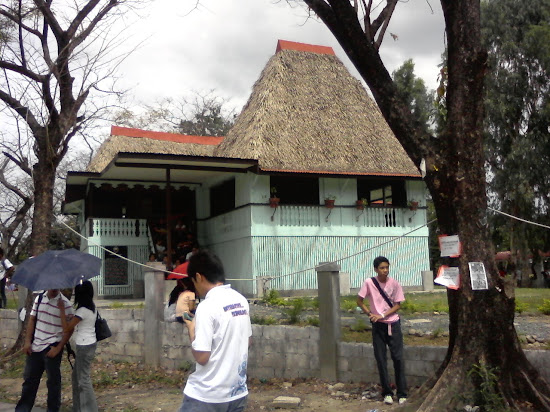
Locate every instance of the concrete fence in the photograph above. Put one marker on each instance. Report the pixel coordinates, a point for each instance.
(139, 335)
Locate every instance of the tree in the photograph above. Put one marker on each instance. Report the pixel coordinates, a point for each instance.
(516, 35)
(51, 65)
(202, 115)
(482, 340)
(413, 91)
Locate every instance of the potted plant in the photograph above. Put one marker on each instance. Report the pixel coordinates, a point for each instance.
(360, 204)
(329, 201)
(273, 200)
(413, 204)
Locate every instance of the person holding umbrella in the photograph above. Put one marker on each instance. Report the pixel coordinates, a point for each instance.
(83, 322)
(44, 343)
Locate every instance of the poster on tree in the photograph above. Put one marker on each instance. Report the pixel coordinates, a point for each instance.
(478, 277)
(448, 276)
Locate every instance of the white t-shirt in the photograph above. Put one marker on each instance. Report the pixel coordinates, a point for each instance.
(85, 329)
(222, 327)
(5, 265)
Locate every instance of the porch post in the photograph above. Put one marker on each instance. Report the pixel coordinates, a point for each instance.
(329, 318)
(154, 301)
(168, 221)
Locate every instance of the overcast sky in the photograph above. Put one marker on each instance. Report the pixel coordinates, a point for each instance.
(224, 44)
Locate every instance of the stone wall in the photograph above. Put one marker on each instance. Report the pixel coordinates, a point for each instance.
(276, 352)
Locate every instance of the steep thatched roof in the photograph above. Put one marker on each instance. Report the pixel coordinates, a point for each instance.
(308, 113)
(128, 140)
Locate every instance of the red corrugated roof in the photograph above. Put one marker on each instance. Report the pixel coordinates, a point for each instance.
(291, 45)
(171, 137)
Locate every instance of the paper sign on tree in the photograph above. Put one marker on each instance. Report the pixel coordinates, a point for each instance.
(448, 276)
(450, 246)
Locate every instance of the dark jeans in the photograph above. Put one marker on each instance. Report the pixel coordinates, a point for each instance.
(194, 405)
(380, 339)
(35, 365)
(4, 303)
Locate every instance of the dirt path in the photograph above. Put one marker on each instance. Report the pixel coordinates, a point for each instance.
(315, 396)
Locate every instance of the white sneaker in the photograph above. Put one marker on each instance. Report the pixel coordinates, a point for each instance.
(388, 400)
(402, 401)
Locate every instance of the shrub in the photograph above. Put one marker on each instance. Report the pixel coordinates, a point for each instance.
(263, 320)
(409, 307)
(295, 310)
(348, 304)
(521, 306)
(439, 307)
(359, 325)
(273, 298)
(545, 307)
(313, 321)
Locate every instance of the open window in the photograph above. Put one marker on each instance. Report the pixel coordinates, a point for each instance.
(387, 193)
(296, 190)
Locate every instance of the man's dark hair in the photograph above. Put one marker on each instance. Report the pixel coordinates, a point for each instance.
(379, 260)
(207, 264)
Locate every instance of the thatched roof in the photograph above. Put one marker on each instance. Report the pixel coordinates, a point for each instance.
(129, 140)
(308, 113)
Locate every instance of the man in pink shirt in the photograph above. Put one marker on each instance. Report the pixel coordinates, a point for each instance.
(384, 302)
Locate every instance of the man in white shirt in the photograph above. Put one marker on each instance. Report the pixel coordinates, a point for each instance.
(6, 270)
(44, 343)
(220, 336)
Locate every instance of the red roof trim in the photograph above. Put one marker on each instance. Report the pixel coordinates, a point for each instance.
(291, 45)
(171, 137)
(326, 172)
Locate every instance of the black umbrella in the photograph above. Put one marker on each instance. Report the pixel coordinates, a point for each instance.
(56, 269)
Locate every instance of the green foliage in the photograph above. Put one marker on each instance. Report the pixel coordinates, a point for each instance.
(486, 385)
(295, 310)
(263, 320)
(185, 366)
(273, 298)
(409, 307)
(437, 333)
(348, 304)
(439, 307)
(517, 145)
(313, 321)
(413, 92)
(359, 325)
(545, 307)
(116, 305)
(521, 306)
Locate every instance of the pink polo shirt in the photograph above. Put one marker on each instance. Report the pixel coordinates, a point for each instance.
(377, 303)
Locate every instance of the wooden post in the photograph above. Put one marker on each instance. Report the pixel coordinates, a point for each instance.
(329, 319)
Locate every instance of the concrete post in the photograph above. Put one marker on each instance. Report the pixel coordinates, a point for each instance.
(329, 319)
(154, 301)
(427, 280)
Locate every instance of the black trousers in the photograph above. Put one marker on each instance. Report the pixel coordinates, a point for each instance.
(382, 339)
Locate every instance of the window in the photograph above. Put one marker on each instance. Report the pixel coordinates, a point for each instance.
(296, 190)
(382, 192)
(116, 269)
(222, 197)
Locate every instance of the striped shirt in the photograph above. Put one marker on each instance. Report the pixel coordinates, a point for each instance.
(49, 329)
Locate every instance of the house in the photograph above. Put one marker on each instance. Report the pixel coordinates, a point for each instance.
(308, 132)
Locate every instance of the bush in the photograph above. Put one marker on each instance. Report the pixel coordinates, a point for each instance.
(263, 320)
(409, 307)
(439, 307)
(348, 304)
(313, 321)
(521, 306)
(295, 310)
(545, 307)
(359, 325)
(273, 298)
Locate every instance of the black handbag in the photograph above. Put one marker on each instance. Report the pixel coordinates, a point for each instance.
(102, 330)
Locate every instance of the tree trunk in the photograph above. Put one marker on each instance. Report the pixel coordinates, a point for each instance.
(44, 180)
(485, 364)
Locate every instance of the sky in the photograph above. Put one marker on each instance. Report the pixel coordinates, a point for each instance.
(223, 45)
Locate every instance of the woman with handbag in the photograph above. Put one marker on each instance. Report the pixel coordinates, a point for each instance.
(83, 323)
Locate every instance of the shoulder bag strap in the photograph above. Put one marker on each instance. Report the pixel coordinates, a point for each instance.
(382, 293)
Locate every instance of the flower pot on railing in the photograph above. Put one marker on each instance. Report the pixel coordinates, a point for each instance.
(360, 204)
(274, 202)
(329, 203)
(413, 205)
